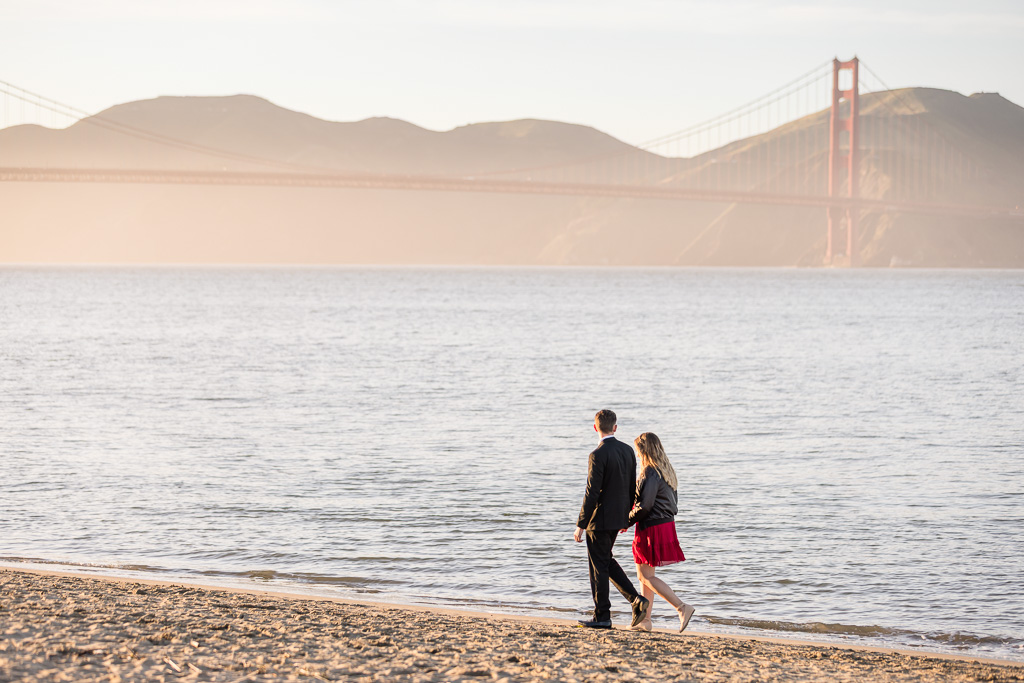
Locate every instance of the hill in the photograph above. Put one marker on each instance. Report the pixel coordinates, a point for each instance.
(88, 223)
(988, 128)
(249, 126)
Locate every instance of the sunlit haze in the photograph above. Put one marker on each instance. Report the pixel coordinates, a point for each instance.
(634, 70)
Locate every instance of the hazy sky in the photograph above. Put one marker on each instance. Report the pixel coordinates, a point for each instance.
(634, 69)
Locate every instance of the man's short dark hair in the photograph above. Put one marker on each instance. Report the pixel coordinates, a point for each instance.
(605, 420)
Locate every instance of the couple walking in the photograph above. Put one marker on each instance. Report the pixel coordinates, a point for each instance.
(616, 500)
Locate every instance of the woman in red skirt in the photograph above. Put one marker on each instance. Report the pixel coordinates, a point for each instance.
(655, 543)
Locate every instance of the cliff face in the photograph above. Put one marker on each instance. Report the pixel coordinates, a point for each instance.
(87, 223)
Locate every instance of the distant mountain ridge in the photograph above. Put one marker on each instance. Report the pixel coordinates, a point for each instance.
(250, 125)
(71, 223)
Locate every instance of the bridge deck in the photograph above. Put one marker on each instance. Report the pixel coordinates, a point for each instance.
(471, 184)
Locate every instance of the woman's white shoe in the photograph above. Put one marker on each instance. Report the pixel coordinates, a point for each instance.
(685, 612)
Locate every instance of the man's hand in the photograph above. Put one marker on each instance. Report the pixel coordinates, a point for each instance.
(578, 535)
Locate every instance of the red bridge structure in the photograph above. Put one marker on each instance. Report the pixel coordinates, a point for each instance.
(817, 141)
(838, 153)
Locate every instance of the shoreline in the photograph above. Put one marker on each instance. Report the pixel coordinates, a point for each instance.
(456, 611)
(221, 633)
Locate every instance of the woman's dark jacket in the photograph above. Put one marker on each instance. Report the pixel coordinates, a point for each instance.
(656, 502)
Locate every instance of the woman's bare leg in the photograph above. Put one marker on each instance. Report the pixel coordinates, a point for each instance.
(652, 582)
(648, 592)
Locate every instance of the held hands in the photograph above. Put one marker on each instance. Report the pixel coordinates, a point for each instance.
(579, 534)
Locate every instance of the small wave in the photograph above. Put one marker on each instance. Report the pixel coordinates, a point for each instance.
(241, 399)
(810, 627)
(957, 640)
(518, 606)
(301, 577)
(252, 574)
(83, 565)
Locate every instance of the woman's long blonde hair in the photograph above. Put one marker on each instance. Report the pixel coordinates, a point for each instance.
(648, 445)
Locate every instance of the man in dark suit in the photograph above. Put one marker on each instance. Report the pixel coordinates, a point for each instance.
(611, 489)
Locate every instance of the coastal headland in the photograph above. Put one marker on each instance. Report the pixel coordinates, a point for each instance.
(63, 627)
(113, 223)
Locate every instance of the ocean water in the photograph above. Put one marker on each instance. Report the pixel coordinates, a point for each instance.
(850, 444)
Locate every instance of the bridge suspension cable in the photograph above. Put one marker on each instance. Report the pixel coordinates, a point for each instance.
(669, 153)
(921, 158)
(782, 91)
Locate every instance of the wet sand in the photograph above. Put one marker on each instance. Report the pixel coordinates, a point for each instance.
(60, 627)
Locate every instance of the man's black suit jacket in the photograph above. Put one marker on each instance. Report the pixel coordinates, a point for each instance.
(611, 487)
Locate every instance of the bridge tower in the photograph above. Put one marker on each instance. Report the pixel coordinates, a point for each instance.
(842, 155)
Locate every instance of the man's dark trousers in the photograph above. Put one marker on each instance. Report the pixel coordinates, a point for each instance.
(604, 568)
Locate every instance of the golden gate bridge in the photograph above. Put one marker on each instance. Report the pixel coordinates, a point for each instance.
(782, 148)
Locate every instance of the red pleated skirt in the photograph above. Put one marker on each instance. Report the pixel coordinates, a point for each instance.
(657, 545)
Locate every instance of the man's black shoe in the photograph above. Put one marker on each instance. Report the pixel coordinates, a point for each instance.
(594, 624)
(641, 608)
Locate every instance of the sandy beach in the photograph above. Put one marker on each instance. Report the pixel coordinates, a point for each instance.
(61, 627)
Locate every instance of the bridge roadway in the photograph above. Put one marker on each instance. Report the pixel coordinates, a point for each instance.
(367, 181)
